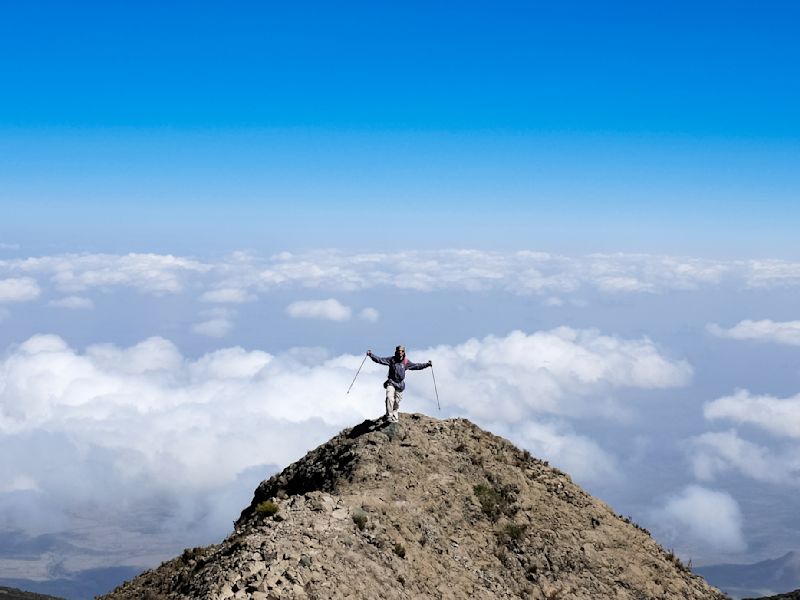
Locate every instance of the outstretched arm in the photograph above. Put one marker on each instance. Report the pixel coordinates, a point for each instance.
(378, 359)
(418, 366)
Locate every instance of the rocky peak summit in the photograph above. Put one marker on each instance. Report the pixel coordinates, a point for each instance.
(435, 509)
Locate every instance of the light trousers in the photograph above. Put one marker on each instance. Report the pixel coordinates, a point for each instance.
(393, 398)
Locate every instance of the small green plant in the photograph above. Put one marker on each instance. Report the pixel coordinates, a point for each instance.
(489, 500)
(514, 531)
(629, 520)
(400, 550)
(675, 560)
(360, 518)
(268, 508)
(511, 535)
(496, 499)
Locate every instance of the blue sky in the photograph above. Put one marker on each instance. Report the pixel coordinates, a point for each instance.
(156, 188)
(585, 214)
(643, 127)
(715, 68)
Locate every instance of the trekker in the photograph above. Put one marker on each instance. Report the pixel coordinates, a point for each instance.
(395, 384)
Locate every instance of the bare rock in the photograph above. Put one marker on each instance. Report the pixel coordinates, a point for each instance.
(442, 510)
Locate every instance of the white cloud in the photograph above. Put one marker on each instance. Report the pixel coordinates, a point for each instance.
(154, 355)
(7, 246)
(785, 332)
(330, 309)
(369, 314)
(215, 328)
(715, 453)
(217, 322)
(19, 289)
(148, 399)
(219, 312)
(779, 416)
(227, 296)
(578, 455)
(562, 371)
(18, 484)
(623, 284)
(651, 273)
(553, 301)
(72, 302)
(332, 271)
(707, 519)
(519, 272)
(110, 428)
(240, 276)
(147, 273)
(771, 273)
(230, 363)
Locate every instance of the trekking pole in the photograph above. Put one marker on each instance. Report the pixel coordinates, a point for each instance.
(435, 390)
(357, 372)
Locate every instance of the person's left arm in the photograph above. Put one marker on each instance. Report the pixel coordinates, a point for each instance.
(418, 366)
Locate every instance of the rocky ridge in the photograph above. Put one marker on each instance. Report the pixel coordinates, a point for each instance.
(435, 509)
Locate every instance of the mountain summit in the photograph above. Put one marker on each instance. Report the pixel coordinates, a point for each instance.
(433, 509)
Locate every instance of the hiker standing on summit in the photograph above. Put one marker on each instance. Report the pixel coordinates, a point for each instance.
(395, 384)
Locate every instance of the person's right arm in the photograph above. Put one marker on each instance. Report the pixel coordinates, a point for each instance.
(378, 359)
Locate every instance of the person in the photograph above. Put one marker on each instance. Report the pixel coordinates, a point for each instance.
(395, 382)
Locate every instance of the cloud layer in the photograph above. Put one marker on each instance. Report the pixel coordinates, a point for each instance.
(786, 332)
(147, 273)
(551, 372)
(72, 303)
(702, 518)
(329, 310)
(113, 429)
(716, 453)
(19, 289)
(242, 277)
(779, 416)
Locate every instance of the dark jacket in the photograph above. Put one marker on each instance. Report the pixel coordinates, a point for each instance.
(397, 370)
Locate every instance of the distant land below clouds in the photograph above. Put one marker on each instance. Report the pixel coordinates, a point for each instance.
(764, 578)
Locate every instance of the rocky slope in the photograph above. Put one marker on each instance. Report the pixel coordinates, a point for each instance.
(436, 509)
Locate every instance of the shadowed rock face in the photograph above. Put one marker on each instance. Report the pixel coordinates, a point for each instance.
(442, 510)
